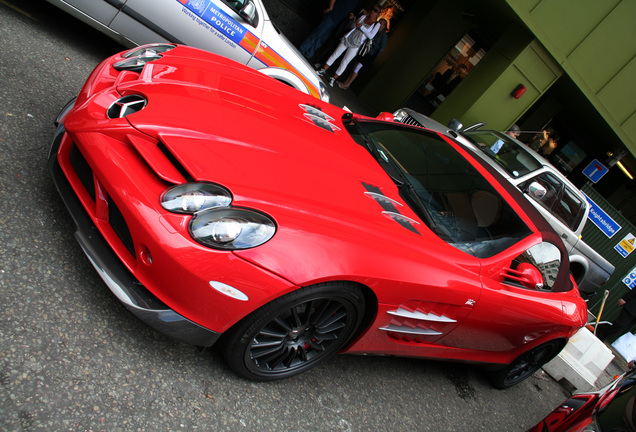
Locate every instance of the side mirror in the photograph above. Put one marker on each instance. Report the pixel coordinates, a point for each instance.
(455, 125)
(537, 190)
(386, 116)
(249, 13)
(526, 274)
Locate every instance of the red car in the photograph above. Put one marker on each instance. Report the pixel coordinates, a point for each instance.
(221, 206)
(611, 409)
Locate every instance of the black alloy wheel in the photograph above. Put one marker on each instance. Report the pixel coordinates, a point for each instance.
(526, 364)
(294, 332)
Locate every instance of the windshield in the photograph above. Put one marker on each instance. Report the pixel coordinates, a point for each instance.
(512, 156)
(442, 187)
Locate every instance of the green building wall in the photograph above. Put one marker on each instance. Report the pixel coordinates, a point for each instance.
(593, 41)
(486, 94)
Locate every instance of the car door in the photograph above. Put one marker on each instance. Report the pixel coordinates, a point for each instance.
(510, 313)
(101, 11)
(215, 26)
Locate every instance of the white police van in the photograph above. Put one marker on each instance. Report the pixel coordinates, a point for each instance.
(237, 29)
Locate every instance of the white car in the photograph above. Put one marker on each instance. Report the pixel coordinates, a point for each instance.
(237, 29)
(563, 205)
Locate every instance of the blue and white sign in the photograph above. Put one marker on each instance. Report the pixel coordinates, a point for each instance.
(602, 220)
(630, 279)
(595, 171)
(222, 22)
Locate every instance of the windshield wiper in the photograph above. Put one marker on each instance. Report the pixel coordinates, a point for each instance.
(409, 190)
(387, 162)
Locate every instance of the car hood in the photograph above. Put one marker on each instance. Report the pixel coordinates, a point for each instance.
(289, 157)
(298, 149)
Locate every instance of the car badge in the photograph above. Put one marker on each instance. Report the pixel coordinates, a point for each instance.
(125, 106)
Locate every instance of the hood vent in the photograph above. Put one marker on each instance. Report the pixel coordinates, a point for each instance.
(319, 118)
(125, 106)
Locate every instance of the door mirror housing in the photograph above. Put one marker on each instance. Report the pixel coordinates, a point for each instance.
(537, 190)
(249, 13)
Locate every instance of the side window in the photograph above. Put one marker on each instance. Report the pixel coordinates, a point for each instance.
(245, 9)
(562, 202)
(571, 209)
(236, 5)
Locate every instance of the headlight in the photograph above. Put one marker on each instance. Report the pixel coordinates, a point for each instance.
(324, 93)
(193, 197)
(400, 115)
(231, 228)
(137, 58)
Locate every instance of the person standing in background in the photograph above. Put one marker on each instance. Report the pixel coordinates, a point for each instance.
(514, 132)
(379, 42)
(337, 11)
(446, 82)
(366, 27)
(623, 322)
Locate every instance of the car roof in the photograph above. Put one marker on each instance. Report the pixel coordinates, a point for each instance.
(547, 165)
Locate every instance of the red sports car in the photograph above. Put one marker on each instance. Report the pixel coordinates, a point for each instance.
(220, 205)
(611, 409)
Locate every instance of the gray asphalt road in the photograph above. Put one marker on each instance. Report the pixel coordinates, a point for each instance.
(73, 359)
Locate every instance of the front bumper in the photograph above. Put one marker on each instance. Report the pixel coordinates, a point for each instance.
(119, 280)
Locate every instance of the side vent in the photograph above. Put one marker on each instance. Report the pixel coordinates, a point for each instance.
(421, 322)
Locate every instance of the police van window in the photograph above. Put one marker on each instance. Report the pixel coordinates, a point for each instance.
(559, 200)
(236, 5)
(246, 9)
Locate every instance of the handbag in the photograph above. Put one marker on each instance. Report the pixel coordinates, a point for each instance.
(366, 47)
(354, 39)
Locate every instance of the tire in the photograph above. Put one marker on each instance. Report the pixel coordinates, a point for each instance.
(294, 332)
(526, 364)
